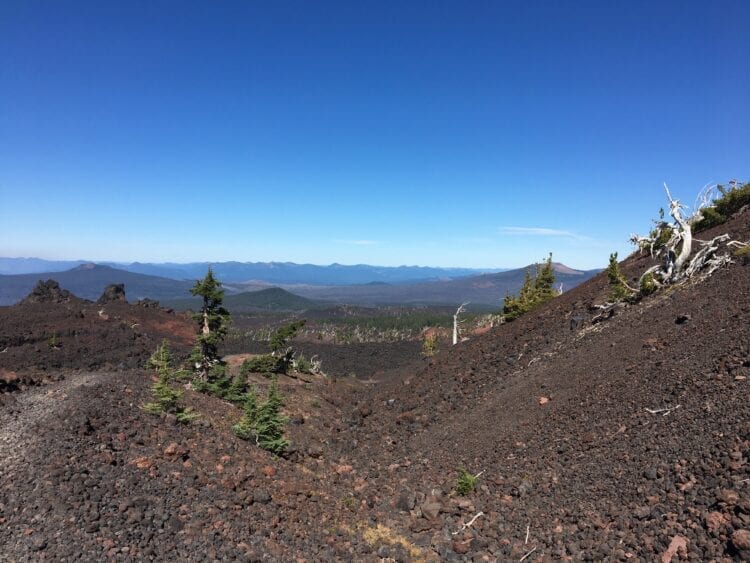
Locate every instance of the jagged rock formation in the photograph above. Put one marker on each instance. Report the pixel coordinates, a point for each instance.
(48, 292)
(113, 292)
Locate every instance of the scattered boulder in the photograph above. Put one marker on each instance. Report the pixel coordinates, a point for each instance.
(741, 542)
(268, 470)
(678, 546)
(406, 501)
(315, 450)
(9, 380)
(261, 496)
(113, 292)
(431, 508)
(715, 521)
(728, 496)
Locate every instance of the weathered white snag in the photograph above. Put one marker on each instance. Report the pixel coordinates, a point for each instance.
(680, 264)
(460, 310)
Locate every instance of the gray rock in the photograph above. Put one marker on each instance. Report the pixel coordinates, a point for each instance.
(261, 496)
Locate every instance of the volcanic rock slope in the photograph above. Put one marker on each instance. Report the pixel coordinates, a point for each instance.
(53, 330)
(577, 459)
(624, 440)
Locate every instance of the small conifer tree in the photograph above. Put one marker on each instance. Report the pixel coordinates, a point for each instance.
(271, 423)
(618, 287)
(213, 324)
(648, 284)
(534, 291)
(246, 427)
(263, 423)
(284, 335)
(544, 282)
(166, 397)
(161, 360)
(430, 345)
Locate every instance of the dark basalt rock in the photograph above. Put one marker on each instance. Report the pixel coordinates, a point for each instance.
(48, 292)
(113, 292)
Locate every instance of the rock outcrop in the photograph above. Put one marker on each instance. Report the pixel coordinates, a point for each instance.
(113, 292)
(48, 292)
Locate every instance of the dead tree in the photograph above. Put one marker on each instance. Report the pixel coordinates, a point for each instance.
(678, 261)
(456, 322)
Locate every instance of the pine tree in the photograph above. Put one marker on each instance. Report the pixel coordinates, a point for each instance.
(618, 287)
(161, 359)
(166, 397)
(213, 324)
(246, 427)
(270, 426)
(263, 423)
(284, 335)
(534, 291)
(544, 283)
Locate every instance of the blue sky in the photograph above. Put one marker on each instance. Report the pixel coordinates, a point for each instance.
(479, 134)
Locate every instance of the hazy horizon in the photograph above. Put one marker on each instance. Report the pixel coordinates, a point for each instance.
(106, 261)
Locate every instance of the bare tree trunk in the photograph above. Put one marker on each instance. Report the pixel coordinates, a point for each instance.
(206, 329)
(460, 310)
(686, 233)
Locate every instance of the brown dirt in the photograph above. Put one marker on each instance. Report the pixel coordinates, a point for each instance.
(574, 466)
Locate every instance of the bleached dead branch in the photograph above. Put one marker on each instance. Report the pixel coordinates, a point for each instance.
(664, 412)
(469, 523)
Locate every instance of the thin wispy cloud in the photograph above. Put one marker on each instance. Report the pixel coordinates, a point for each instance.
(572, 237)
(537, 232)
(357, 242)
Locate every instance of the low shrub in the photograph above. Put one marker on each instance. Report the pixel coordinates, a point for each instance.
(731, 200)
(648, 284)
(54, 341)
(303, 365)
(430, 345)
(265, 363)
(222, 384)
(466, 482)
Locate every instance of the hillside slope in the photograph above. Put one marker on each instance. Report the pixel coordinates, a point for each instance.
(271, 299)
(592, 472)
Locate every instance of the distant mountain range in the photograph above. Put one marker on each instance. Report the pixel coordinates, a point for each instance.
(269, 272)
(485, 290)
(482, 290)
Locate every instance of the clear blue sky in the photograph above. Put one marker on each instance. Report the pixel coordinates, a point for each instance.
(481, 134)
